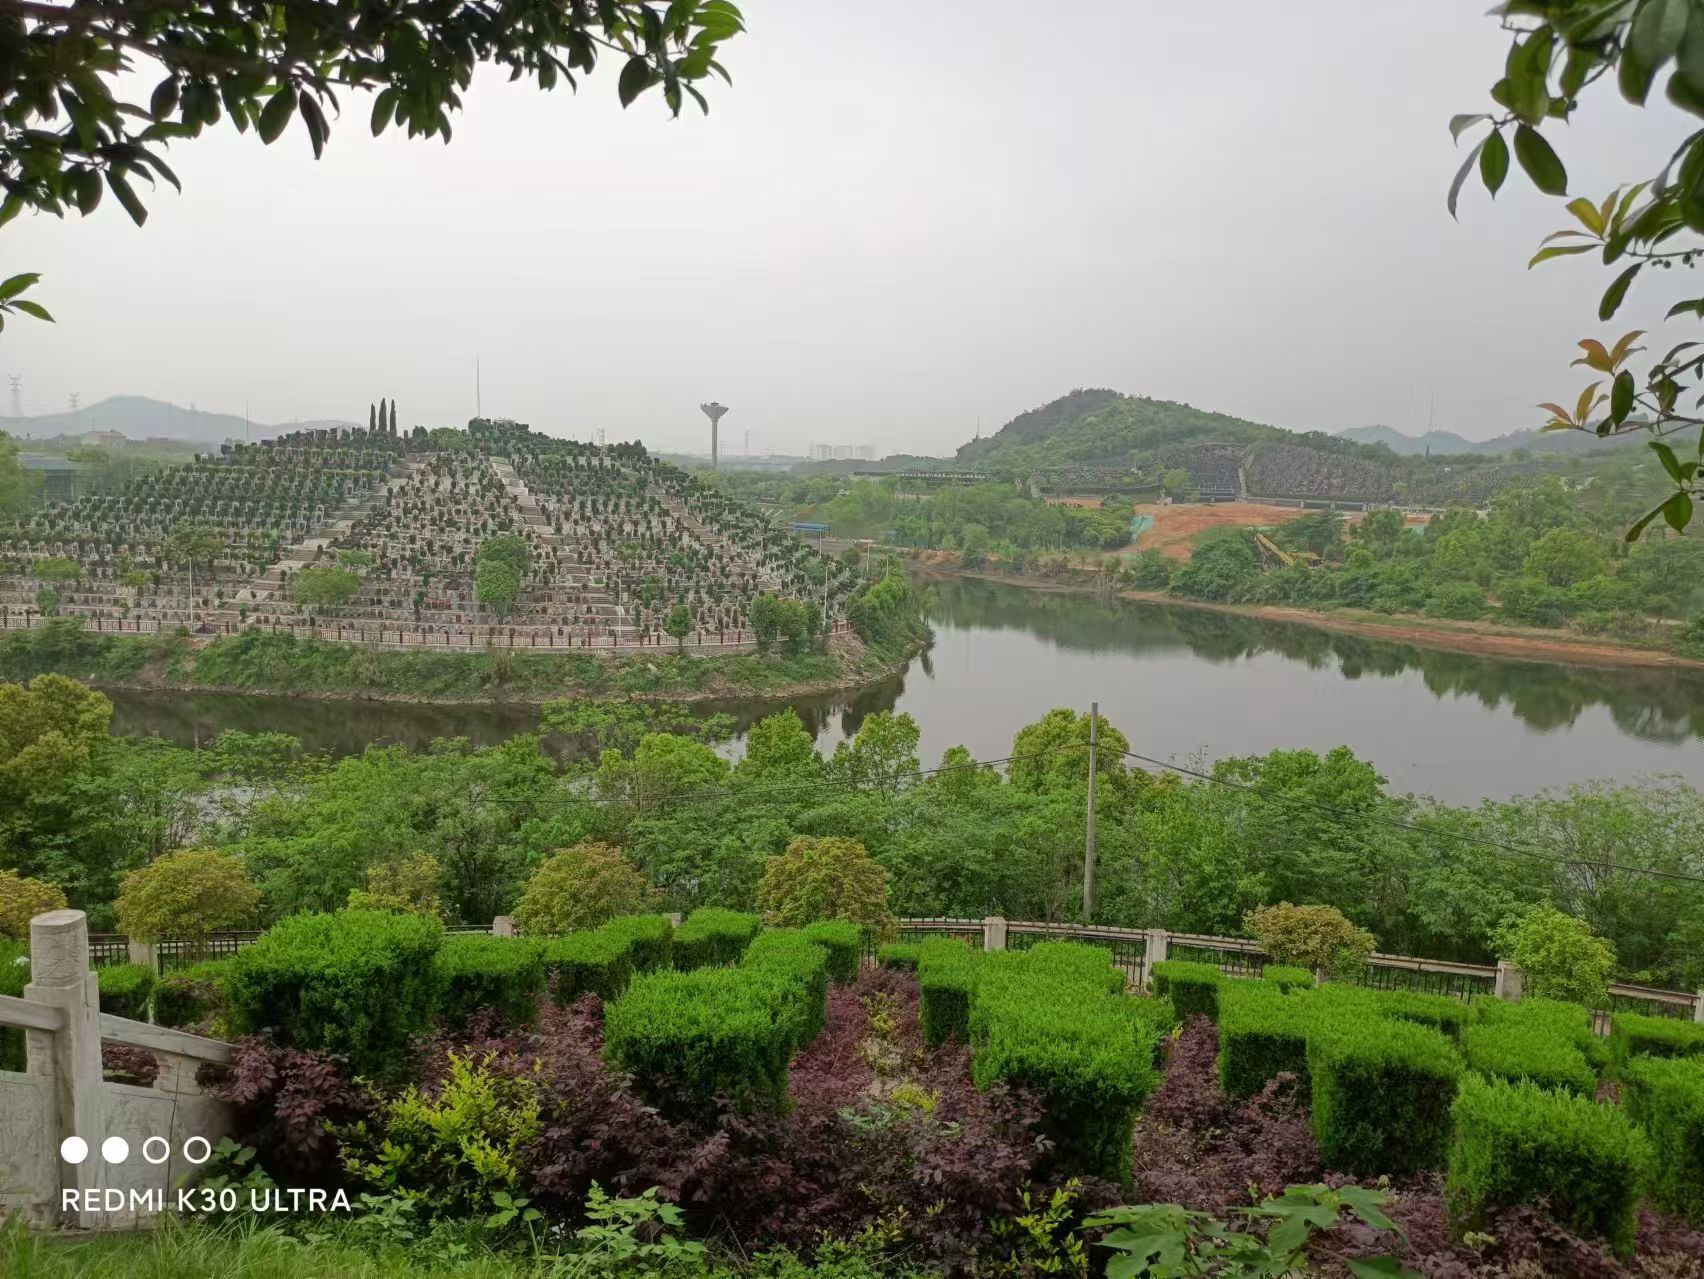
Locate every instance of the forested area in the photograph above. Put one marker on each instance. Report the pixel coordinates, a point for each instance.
(1536, 558)
(82, 808)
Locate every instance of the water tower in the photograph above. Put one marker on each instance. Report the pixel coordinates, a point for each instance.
(714, 412)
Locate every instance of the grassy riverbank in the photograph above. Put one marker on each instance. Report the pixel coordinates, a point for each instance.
(259, 662)
(1481, 638)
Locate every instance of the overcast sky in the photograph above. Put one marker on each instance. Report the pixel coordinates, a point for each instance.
(902, 219)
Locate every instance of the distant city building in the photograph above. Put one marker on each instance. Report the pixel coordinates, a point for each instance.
(60, 479)
(843, 453)
(101, 439)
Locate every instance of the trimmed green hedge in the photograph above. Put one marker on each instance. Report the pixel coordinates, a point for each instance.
(1287, 978)
(360, 983)
(596, 963)
(126, 990)
(900, 955)
(711, 935)
(1519, 1144)
(1633, 1034)
(1262, 1033)
(500, 973)
(946, 975)
(189, 996)
(845, 945)
(649, 938)
(1153, 1018)
(1382, 1090)
(1438, 1012)
(1569, 1022)
(1665, 1095)
(1529, 1050)
(1050, 1020)
(793, 968)
(1193, 988)
(695, 1041)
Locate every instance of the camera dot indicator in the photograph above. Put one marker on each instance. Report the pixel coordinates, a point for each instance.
(165, 1149)
(73, 1150)
(206, 1150)
(115, 1150)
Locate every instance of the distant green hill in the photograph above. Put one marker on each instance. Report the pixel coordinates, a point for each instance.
(1437, 443)
(1098, 427)
(139, 418)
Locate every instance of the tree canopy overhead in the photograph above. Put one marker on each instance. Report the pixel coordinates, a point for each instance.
(91, 93)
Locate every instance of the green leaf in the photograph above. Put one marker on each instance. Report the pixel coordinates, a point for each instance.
(1657, 30)
(1494, 162)
(164, 99)
(1541, 163)
(1461, 177)
(1678, 511)
(1460, 124)
(1621, 397)
(33, 308)
(1634, 77)
(275, 115)
(1558, 251)
(1639, 524)
(17, 284)
(1693, 307)
(383, 107)
(1671, 464)
(315, 121)
(1612, 296)
(635, 79)
(1587, 213)
(1684, 96)
(120, 187)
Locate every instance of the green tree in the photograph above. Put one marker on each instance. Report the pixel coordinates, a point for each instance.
(1558, 49)
(321, 587)
(779, 750)
(497, 585)
(662, 769)
(1052, 755)
(885, 745)
(186, 894)
(581, 887)
(21, 900)
(973, 545)
(50, 730)
(17, 486)
(1319, 938)
(1560, 955)
(824, 877)
(406, 885)
(1221, 568)
(679, 625)
(243, 61)
(1563, 557)
(192, 543)
(1177, 484)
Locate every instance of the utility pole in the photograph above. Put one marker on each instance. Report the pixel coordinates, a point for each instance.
(1089, 835)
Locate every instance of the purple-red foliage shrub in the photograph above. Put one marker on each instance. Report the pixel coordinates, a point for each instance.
(286, 1099)
(128, 1064)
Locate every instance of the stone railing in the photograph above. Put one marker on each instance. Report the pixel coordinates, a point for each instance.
(76, 1150)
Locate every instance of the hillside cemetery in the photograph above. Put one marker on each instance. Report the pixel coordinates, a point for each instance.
(495, 534)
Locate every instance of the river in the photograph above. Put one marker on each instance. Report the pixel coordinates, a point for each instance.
(1181, 683)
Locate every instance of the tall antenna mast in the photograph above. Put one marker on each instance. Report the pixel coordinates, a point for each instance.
(478, 401)
(714, 412)
(74, 398)
(17, 394)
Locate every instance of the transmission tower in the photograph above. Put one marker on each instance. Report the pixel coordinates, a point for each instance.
(17, 394)
(74, 398)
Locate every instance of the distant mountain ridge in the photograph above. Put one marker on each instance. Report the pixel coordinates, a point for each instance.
(140, 418)
(1439, 443)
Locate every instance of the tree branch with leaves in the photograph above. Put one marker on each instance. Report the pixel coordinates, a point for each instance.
(1558, 50)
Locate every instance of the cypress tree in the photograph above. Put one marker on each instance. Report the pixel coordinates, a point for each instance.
(372, 418)
(382, 426)
(393, 415)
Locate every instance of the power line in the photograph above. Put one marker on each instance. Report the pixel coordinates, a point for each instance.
(1417, 827)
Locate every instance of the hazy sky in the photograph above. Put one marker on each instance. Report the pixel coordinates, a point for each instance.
(902, 218)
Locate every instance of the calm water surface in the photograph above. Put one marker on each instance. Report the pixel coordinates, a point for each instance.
(1179, 682)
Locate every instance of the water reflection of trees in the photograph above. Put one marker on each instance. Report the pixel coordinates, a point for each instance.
(1646, 702)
